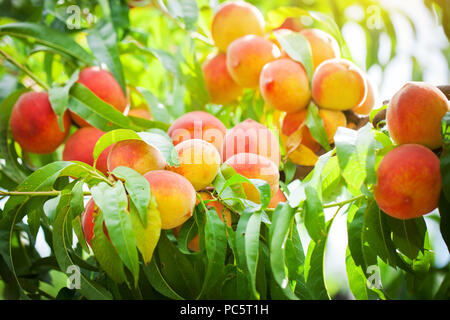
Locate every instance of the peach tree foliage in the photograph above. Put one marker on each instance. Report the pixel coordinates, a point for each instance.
(262, 256)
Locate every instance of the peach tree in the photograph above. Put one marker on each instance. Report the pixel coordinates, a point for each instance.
(230, 245)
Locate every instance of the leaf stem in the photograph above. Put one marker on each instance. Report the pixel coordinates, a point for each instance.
(340, 204)
(25, 70)
(35, 193)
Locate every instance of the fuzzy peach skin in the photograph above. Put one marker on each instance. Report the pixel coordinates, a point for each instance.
(414, 115)
(174, 196)
(194, 244)
(250, 136)
(323, 45)
(369, 102)
(234, 20)
(409, 182)
(221, 87)
(198, 125)
(338, 84)
(80, 147)
(284, 85)
(137, 155)
(278, 197)
(140, 113)
(199, 162)
(87, 221)
(34, 124)
(103, 84)
(254, 166)
(247, 56)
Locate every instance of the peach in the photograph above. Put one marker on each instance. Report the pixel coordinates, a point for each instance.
(292, 23)
(221, 87)
(34, 124)
(247, 56)
(409, 182)
(250, 136)
(367, 105)
(338, 84)
(194, 244)
(87, 221)
(234, 20)
(277, 198)
(103, 84)
(284, 85)
(80, 147)
(415, 113)
(254, 166)
(331, 121)
(198, 125)
(199, 162)
(137, 155)
(174, 196)
(140, 113)
(323, 45)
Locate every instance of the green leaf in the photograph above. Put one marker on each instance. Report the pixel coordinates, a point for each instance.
(103, 42)
(444, 224)
(187, 232)
(279, 230)
(243, 290)
(187, 10)
(158, 110)
(252, 233)
(48, 37)
(90, 289)
(216, 246)
(408, 235)
(299, 49)
(105, 253)
(95, 111)
(314, 269)
(113, 202)
(157, 280)
(138, 190)
(59, 98)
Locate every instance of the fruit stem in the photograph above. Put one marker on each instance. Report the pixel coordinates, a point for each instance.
(25, 70)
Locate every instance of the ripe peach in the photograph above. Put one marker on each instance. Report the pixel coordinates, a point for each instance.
(338, 84)
(198, 125)
(221, 87)
(137, 155)
(284, 85)
(87, 221)
(34, 124)
(409, 182)
(234, 20)
(368, 103)
(103, 84)
(415, 113)
(221, 211)
(331, 121)
(140, 113)
(292, 23)
(323, 45)
(250, 136)
(255, 166)
(174, 196)
(80, 147)
(247, 56)
(277, 198)
(199, 162)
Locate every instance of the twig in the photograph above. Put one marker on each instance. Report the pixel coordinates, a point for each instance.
(342, 203)
(25, 70)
